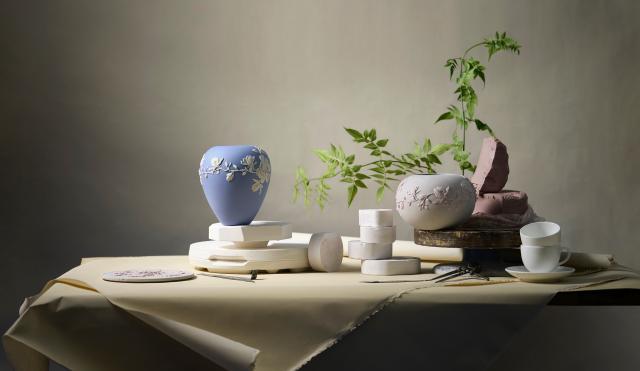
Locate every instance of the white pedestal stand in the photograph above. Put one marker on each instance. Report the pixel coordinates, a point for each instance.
(243, 248)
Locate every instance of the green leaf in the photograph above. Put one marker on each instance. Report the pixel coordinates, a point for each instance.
(480, 74)
(461, 156)
(433, 159)
(426, 146)
(440, 149)
(370, 146)
(466, 165)
(382, 142)
(444, 116)
(472, 102)
(483, 127)
(452, 64)
(355, 134)
(360, 183)
(375, 152)
(372, 134)
(322, 154)
(362, 176)
(351, 194)
(379, 193)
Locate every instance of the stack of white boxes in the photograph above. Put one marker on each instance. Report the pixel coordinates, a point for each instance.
(375, 246)
(377, 234)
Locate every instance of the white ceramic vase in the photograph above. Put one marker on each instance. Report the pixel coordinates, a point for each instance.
(435, 201)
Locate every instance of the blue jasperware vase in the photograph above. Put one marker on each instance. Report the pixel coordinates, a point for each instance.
(235, 180)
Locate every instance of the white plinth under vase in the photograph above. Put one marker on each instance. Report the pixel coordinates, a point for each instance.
(245, 248)
(250, 235)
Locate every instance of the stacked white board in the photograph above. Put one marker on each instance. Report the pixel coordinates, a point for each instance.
(244, 248)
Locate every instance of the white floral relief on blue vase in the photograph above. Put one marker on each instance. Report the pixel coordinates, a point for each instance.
(235, 180)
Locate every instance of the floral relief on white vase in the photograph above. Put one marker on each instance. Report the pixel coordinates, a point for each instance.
(435, 201)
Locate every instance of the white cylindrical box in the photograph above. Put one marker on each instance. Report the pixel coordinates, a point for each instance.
(378, 234)
(390, 267)
(365, 251)
(325, 252)
(375, 217)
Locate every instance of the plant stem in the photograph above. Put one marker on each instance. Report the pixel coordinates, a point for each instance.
(464, 115)
(472, 47)
(376, 163)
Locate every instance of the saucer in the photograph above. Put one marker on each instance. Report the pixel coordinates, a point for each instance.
(524, 275)
(147, 275)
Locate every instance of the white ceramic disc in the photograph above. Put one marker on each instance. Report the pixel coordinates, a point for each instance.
(390, 267)
(524, 275)
(365, 250)
(254, 232)
(147, 275)
(325, 252)
(378, 234)
(375, 217)
(221, 257)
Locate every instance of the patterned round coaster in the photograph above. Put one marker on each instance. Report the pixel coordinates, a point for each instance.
(147, 275)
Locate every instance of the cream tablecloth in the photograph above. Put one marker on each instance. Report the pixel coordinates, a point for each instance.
(279, 322)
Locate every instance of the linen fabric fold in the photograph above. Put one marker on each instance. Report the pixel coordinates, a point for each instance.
(278, 322)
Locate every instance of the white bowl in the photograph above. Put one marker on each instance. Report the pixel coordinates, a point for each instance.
(540, 234)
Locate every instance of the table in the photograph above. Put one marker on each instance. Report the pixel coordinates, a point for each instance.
(312, 320)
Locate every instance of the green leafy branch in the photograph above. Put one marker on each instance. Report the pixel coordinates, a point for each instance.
(385, 167)
(470, 69)
(382, 169)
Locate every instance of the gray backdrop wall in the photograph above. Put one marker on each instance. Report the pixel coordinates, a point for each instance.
(107, 106)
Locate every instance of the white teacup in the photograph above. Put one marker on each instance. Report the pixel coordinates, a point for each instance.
(543, 259)
(540, 234)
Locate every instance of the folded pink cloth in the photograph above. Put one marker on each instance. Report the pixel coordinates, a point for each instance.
(482, 220)
(504, 202)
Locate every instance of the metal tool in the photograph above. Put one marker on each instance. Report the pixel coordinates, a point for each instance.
(254, 275)
(464, 269)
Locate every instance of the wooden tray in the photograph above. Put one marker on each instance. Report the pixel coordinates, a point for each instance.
(469, 238)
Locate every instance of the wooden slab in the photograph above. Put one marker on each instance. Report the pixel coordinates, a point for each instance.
(469, 238)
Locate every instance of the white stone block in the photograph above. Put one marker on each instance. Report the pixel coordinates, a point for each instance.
(378, 234)
(366, 250)
(375, 217)
(325, 252)
(254, 232)
(390, 267)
